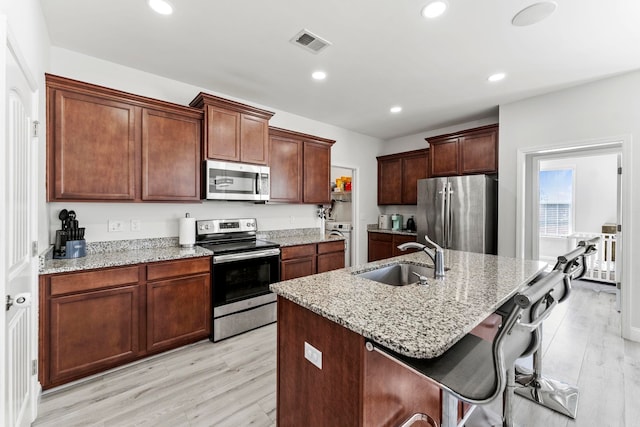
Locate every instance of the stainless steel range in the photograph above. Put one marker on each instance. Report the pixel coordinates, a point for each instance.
(243, 268)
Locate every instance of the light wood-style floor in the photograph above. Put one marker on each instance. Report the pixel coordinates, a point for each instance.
(233, 382)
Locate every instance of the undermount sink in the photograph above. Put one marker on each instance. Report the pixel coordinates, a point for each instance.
(398, 274)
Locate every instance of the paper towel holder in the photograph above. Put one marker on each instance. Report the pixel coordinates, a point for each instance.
(187, 231)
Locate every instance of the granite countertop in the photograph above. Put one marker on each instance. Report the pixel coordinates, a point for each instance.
(401, 232)
(119, 253)
(415, 320)
(304, 236)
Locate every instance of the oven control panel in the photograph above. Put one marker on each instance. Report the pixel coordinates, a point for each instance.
(214, 226)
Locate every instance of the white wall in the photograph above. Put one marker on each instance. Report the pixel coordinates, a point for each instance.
(417, 141)
(159, 220)
(603, 109)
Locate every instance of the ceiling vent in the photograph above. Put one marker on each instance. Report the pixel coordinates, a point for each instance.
(309, 41)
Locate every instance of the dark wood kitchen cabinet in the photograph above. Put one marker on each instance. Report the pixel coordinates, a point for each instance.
(233, 131)
(108, 145)
(300, 167)
(398, 176)
(91, 321)
(170, 156)
(178, 308)
(385, 245)
(330, 256)
(305, 260)
(467, 152)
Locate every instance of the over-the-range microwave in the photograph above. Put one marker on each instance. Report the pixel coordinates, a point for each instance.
(235, 181)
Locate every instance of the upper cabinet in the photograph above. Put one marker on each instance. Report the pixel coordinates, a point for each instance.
(107, 145)
(300, 167)
(398, 176)
(466, 152)
(234, 131)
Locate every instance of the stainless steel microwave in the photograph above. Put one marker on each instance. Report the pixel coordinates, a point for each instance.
(236, 181)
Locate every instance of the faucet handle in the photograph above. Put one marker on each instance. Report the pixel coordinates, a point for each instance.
(432, 243)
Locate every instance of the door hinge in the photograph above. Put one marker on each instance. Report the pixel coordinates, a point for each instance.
(36, 128)
(34, 367)
(620, 170)
(34, 248)
(619, 228)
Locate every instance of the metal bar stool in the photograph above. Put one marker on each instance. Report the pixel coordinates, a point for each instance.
(553, 394)
(478, 371)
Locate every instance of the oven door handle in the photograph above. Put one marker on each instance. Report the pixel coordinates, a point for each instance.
(221, 259)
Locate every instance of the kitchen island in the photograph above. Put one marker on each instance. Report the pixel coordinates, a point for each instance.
(335, 313)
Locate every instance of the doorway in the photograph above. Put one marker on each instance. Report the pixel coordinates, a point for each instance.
(573, 193)
(343, 208)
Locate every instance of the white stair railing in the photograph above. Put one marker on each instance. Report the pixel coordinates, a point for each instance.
(601, 266)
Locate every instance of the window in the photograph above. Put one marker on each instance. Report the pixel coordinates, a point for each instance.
(556, 202)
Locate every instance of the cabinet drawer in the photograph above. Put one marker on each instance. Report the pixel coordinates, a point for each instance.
(299, 251)
(166, 269)
(380, 237)
(327, 247)
(91, 280)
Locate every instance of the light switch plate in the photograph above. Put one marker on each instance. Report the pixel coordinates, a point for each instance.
(313, 355)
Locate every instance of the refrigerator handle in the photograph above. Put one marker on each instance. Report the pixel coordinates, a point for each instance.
(443, 209)
(449, 227)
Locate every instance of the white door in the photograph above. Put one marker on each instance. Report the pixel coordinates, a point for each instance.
(619, 237)
(18, 266)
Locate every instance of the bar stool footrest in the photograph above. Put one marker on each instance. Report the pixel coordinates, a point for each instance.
(555, 395)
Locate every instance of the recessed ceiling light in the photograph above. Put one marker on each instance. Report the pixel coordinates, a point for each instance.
(319, 75)
(395, 109)
(433, 9)
(533, 14)
(162, 7)
(496, 77)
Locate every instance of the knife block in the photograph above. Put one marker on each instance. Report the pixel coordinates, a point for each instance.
(68, 249)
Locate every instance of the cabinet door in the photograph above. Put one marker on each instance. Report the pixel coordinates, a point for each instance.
(380, 246)
(444, 157)
(92, 147)
(479, 153)
(390, 182)
(413, 169)
(178, 311)
(297, 267)
(285, 160)
(223, 134)
(170, 156)
(317, 169)
(254, 139)
(330, 261)
(93, 331)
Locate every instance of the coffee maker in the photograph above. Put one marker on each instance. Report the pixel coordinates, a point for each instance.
(70, 241)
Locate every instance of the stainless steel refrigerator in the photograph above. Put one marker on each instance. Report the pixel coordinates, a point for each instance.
(459, 212)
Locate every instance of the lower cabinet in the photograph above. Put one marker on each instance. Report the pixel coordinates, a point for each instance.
(305, 260)
(385, 245)
(95, 320)
(176, 314)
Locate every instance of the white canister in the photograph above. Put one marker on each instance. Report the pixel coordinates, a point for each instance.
(187, 231)
(384, 222)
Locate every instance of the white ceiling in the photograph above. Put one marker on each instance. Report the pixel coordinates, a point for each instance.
(384, 53)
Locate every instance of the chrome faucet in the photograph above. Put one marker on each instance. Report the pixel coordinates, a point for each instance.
(436, 254)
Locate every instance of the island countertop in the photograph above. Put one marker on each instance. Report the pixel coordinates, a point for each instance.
(415, 320)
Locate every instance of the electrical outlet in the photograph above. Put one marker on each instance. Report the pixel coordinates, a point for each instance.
(135, 225)
(313, 355)
(115, 225)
